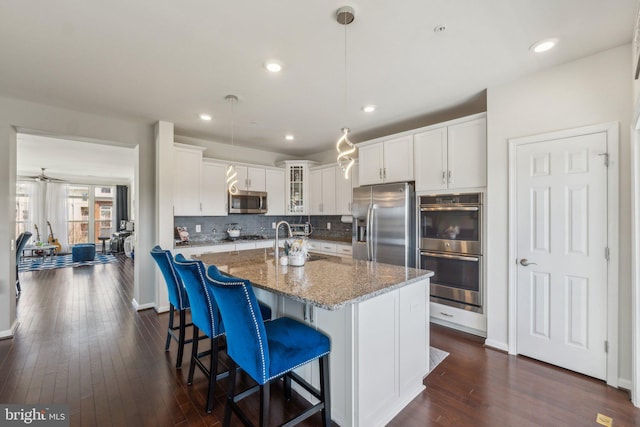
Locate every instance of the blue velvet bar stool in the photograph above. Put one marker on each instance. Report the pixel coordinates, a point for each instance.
(267, 351)
(206, 318)
(178, 300)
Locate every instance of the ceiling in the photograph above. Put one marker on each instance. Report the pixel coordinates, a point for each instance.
(74, 161)
(172, 60)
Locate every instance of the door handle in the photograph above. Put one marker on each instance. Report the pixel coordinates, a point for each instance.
(525, 263)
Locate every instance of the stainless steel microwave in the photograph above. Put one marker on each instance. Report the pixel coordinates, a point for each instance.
(248, 202)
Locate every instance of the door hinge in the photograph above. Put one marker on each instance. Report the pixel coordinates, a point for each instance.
(606, 253)
(606, 346)
(606, 158)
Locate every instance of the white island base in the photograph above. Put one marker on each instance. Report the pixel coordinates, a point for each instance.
(379, 351)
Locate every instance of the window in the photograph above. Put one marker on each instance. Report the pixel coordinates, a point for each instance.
(90, 210)
(23, 217)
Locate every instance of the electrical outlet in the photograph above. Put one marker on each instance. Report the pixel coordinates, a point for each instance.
(328, 226)
(273, 225)
(198, 228)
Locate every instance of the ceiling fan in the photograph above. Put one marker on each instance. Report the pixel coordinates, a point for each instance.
(42, 177)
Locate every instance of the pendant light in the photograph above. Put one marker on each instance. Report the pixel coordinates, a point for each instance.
(345, 16)
(231, 169)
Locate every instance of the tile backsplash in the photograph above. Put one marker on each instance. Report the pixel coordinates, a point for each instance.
(214, 227)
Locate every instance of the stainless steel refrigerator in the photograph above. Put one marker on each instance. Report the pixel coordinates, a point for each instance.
(384, 223)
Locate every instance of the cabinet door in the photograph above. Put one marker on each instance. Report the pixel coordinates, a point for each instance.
(370, 161)
(274, 186)
(256, 179)
(467, 154)
(214, 189)
(329, 191)
(398, 159)
(344, 192)
(186, 184)
(431, 159)
(315, 192)
(242, 177)
(297, 183)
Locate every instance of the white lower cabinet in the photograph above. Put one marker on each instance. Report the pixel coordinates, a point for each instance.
(464, 320)
(330, 248)
(379, 352)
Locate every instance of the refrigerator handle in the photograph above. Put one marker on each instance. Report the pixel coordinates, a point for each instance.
(370, 230)
(368, 235)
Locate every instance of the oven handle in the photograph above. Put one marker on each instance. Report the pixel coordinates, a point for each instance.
(449, 208)
(454, 257)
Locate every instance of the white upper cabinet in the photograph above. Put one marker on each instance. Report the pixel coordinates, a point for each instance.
(187, 180)
(214, 195)
(297, 186)
(386, 161)
(251, 178)
(322, 191)
(274, 186)
(452, 157)
(344, 190)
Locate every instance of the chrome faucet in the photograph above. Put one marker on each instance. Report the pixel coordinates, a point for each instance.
(277, 248)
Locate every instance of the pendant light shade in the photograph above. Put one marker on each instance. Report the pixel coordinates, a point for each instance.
(345, 150)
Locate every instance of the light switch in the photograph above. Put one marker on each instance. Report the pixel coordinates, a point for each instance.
(198, 228)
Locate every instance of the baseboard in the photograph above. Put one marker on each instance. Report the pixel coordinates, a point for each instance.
(624, 384)
(162, 309)
(140, 307)
(497, 345)
(10, 332)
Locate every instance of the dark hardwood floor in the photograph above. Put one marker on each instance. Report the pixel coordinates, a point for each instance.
(80, 342)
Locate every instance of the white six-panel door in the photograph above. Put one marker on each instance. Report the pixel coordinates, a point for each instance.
(561, 224)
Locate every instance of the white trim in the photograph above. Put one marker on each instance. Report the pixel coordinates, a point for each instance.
(613, 176)
(624, 383)
(140, 307)
(634, 385)
(496, 345)
(10, 333)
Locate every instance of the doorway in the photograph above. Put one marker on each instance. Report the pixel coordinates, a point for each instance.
(563, 228)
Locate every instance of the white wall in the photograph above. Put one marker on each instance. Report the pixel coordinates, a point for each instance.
(223, 151)
(595, 89)
(55, 121)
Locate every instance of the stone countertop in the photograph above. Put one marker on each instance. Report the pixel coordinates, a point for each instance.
(197, 244)
(328, 282)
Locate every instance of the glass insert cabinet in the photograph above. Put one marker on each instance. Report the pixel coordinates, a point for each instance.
(297, 186)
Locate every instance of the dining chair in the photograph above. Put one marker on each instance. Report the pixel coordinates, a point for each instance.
(206, 318)
(178, 300)
(21, 242)
(267, 351)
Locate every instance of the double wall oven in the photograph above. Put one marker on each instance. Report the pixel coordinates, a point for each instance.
(450, 228)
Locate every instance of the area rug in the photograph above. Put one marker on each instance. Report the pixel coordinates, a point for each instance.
(61, 261)
(435, 357)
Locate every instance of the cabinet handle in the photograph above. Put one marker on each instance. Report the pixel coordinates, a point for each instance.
(311, 314)
(449, 177)
(384, 173)
(444, 177)
(446, 314)
(349, 206)
(200, 206)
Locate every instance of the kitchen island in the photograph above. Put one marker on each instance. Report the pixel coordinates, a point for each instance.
(376, 315)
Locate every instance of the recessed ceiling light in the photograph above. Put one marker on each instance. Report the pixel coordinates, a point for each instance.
(543, 45)
(273, 66)
(205, 117)
(289, 137)
(369, 108)
(440, 29)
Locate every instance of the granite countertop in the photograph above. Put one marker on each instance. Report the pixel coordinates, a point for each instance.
(195, 244)
(328, 282)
